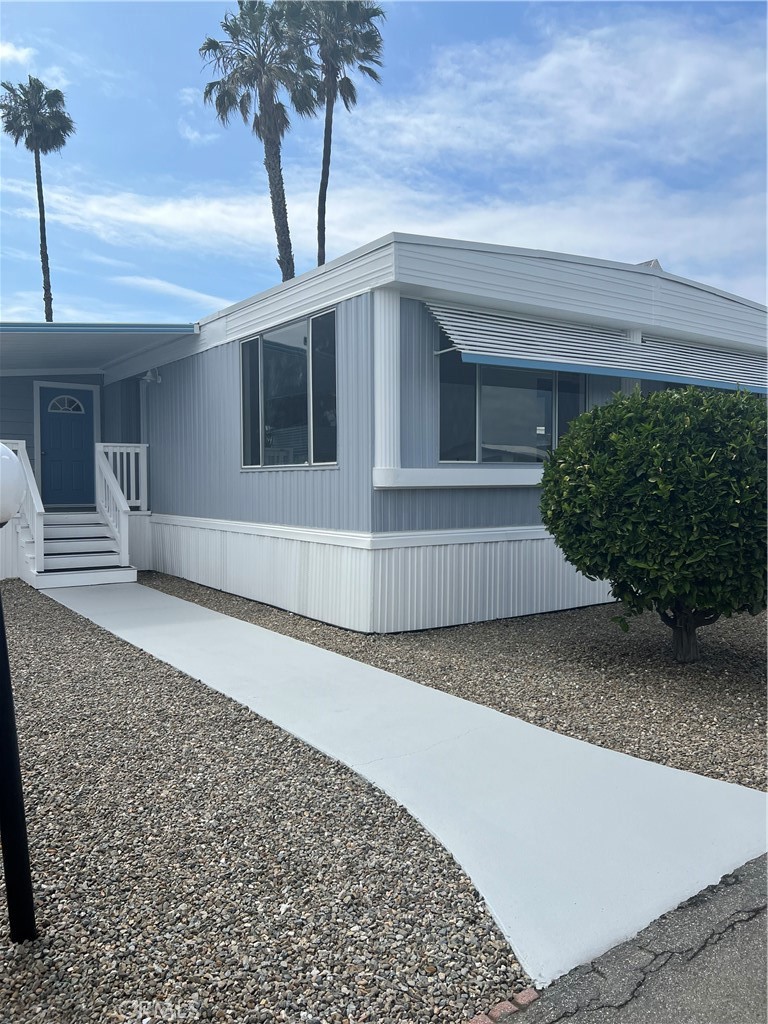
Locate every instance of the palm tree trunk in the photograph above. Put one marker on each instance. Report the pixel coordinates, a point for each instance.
(325, 172)
(47, 297)
(274, 170)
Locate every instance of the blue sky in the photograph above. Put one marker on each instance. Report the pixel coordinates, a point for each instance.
(615, 130)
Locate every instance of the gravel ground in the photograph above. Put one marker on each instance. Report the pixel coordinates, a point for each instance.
(193, 862)
(573, 672)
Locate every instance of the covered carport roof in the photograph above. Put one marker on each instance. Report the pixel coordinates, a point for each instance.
(84, 348)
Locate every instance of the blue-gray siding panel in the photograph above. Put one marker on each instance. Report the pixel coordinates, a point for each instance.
(16, 413)
(419, 382)
(121, 412)
(455, 509)
(17, 406)
(194, 437)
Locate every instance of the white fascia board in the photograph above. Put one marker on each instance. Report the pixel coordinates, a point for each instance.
(349, 539)
(308, 278)
(457, 476)
(320, 289)
(402, 239)
(577, 289)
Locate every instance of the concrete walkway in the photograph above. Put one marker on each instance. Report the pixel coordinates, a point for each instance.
(574, 848)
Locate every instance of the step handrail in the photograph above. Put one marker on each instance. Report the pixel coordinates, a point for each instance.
(32, 509)
(129, 464)
(111, 503)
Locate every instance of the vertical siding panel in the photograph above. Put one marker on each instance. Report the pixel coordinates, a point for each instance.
(285, 573)
(121, 413)
(419, 384)
(460, 508)
(194, 437)
(16, 411)
(447, 584)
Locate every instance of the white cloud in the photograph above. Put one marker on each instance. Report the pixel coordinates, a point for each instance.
(156, 284)
(710, 236)
(190, 97)
(109, 75)
(186, 131)
(647, 87)
(55, 77)
(16, 54)
(624, 141)
(12, 253)
(107, 261)
(191, 100)
(68, 307)
(211, 223)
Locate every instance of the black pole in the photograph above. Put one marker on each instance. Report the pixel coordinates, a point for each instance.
(13, 826)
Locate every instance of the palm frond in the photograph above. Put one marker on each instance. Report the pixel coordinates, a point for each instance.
(347, 92)
(35, 115)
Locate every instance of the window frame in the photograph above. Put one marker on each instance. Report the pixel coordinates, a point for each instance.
(477, 461)
(259, 337)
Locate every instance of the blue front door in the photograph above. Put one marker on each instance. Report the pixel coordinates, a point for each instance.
(66, 445)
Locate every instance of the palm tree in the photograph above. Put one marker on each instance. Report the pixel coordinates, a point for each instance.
(256, 61)
(344, 36)
(36, 114)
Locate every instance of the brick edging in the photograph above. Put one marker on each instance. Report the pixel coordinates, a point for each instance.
(502, 1012)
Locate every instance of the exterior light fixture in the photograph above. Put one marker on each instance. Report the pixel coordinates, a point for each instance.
(13, 825)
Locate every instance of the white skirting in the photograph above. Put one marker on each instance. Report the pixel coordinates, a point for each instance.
(382, 583)
(9, 550)
(140, 540)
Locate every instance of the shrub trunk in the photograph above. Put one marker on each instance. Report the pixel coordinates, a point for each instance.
(685, 643)
(683, 622)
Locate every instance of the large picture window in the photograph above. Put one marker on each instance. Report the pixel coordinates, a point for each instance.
(504, 414)
(289, 394)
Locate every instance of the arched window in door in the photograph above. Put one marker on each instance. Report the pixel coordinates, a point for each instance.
(65, 403)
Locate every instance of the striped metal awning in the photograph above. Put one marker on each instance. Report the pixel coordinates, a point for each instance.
(496, 338)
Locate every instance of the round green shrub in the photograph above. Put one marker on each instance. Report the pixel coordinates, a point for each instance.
(665, 498)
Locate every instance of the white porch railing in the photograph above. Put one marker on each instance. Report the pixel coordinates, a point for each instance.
(31, 511)
(129, 464)
(111, 503)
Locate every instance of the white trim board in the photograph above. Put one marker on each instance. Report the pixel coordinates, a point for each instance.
(457, 476)
(368, 541)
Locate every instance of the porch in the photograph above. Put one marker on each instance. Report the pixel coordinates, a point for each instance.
(57, 546)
